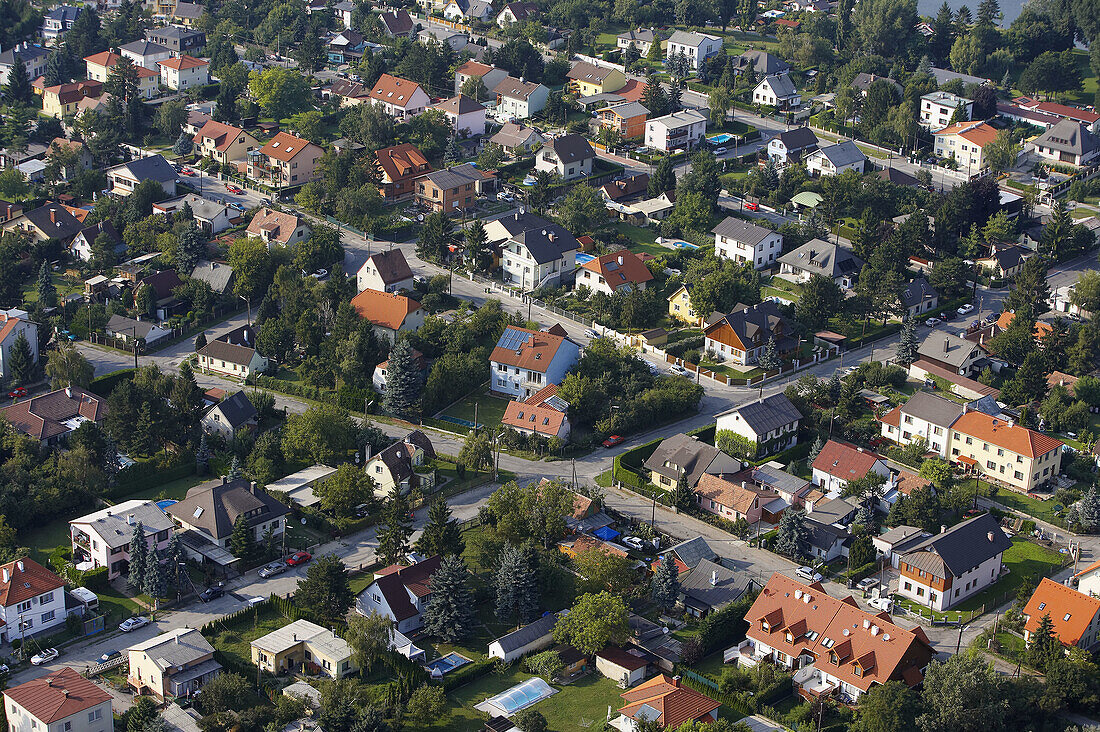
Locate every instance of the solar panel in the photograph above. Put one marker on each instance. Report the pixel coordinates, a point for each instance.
(512, 339)
(557, 403)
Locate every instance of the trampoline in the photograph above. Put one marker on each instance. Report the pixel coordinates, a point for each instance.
(518, 697)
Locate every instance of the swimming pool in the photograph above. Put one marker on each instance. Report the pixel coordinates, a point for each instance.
(162, 505)
(720, 139)
(682, 245)
(445, 664)
(583, 258)
(519, 696)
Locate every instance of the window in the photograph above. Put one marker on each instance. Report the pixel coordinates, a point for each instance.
(969, 440)
(1042, 606)
(95, 714)
(1066, 618)
(990, 464)
(46, 598)
(23, 607)
(47, 617)
(909, 586)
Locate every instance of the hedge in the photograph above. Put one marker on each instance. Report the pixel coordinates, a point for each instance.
(293, 388)
(104, 385)
(139, 475)
(467, 673)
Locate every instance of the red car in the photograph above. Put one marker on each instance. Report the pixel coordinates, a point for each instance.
(613, 440)
(186, 171)
(17, 392)
(750, 206)
(298, 558)
(235, 189)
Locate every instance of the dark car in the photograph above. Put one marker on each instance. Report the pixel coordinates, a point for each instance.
(211, 593)
(109, 655)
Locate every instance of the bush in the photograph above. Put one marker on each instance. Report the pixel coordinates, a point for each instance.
(93, 579)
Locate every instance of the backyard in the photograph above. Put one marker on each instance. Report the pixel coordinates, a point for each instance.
(478, 406)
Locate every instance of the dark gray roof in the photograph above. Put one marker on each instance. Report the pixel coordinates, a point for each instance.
(154, 167)
(529, 633)
(54, 220)
(897, 177)
(28, 54)
(769, 413)
(548, 244)
(799, 138)
(237, 346)
(763, 319)
(64, 13)
(572, 148)
(823, 258)
(781, 84)
(692, 551)
(691, 455)
(836, 510)
(144, 48)
(122, 324)
(629, 109)
(1011, 256)
(641, 34)
(931, 408)
(171, 31)
(711, 586)
(189, 11)
(917, 292)
(824, 536)
(1068, 136)
(513, 135)
(237, 409)
(216, 274)
(772, 477)
(215, 505)
(843, 153)
(964, 546)
(864, 81)
(901, 538)
(741, 230)
(397, 456)
(947, 348)
(454, 177)
(765, 63)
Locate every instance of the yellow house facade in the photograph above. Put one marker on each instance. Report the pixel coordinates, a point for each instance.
(589, 79)
(303, 644)
(679, 307)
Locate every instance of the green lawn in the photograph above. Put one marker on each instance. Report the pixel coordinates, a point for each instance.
(783, 295)
(642, 239)
(489, 409)
(711, 666)
(175, 489)
(235, 641)
(1043, 510)
(1023, 560)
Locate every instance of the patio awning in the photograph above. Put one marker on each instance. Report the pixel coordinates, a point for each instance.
(809, 199)
(967, 461)
(606, 533)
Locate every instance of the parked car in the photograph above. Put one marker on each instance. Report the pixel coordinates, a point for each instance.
(133, 623)
(750, 206)
(298, 558)
(212, 593)
(17, 392)
(238, 206)
(808, 574)
(109, 655)
(270, 570)
(44, 656)
(719, 150)
(4, 670)
(633, 542)
(882, 603)
(965, 309)
(589, 333)
(867, 583)
(932, 322)
(612, 441)
(993, 316)
(234, 189)
(678, 370)
(320, 274)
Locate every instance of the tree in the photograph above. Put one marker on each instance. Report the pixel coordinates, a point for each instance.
(428, 704)
(1001, 153)
(326, 589)
(476, 451)
(682, 496)
(436, 236)
(68, 367)
(475, 88)
(602, 571)
(535, 511)
(441, 535)
(769, 360)
(190, 246)
(140, 716)
(138, 551)
(170, 119)
(793, 537)
(1044, 645)
(961, 694)
(478, 254)
(516, 584)
(815, 450)
(18, 90)
(280, 92)
(547, 664)
(393, 534)
(250, 259)
(175, 562)
(344, 491)
(310, 53)
(594, 621)
(821, 299)
(1088, 510)
(939, 473)
(889, 707)
(47, 293)
(886, 27)
(155, 582)
(654, 98)
(450, 612)
(322, 434)
(908, 345)
(242, 541)
(663, 178)
(226, 692)
(583, 209)
(369, 638)
(1057, 234)
(719, 105)
(666, 582)
(1030, 382)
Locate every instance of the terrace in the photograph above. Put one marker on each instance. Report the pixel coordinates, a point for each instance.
(813, 682)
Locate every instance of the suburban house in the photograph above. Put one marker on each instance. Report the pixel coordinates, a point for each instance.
(832, 646)
(519, 99)
(210, 509)
(50, 417)
(1086, 116)
(61, 100)
(525, 361)
(687, 554)
(624, 666)
(516, 140)
(401, 165)
(1004, 262)
(771, 424)
(212, 217)
(791, 146)
(623, 189)
(544, 414)
(99, 66)
(532, 637)
(184, 72)
(1076, 616)
(839, 462)
(1088, 580)
(684, 129)
(777, 91)
(588, 79)
(103, 537)
(59, 20)
(378, 378)
(385, 272)
(918, 298)
(709, 587)
(467, 115)
(490, 75)
(230, 415)
(388, 312)
(224, 143)
(123, 179)
(394, 468)
(743, 334)
(32, 600)
(926, 416)
(399, 593)
(60, 700)
(946, 568)
(642, 38)
(146, 54)
(1067, 142)
(536, 254)
(938, 107)
(233, 354)
(965, 141)
(1004, 452)
(817, 257)
(455, 40)
(399, 98)
(666, 701)
(81, 247)
(346, 47)
(687, 457)
(453, 190)
(49, 221)
(276, 227)
(745, 242)
(286, 160)
(698, 47)
(628, 119)
(735, 499)
(397, 23)
(570, 156)
(186, 14)
(835, 159)
(467, 10)
(679, 307)
(951, 352)
(33, 57)
(128, 330)
(175, 664)
(794, 490)
(304, 646)
(517, 12)
(621, 271)
(179, 41)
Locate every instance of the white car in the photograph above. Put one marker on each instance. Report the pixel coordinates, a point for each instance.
(932, 322)
(719, 150)
(633, 542)
(808, 574)
(882, 603)
(589, 333)
(867, 583)
(965, 309)
(678, 370)
(44, 656)
(133, 623)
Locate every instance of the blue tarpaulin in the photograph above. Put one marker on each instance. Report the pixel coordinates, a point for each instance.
(606, 533)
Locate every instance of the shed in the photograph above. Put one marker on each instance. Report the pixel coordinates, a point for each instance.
(531, 637)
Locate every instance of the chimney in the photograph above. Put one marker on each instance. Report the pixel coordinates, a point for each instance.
(49, 681)
(620, 260)
(20, 565)
(53, 215)
(943, 528)
(225, 479)
(946, 345)
(252, 487)
(69, 392)
(6, 575)
(989, 536)
(65, 693)
(714, 578)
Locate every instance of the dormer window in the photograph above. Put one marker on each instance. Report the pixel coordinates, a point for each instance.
(766, 626)
(857, 670)
(790, 638)
(833, 658)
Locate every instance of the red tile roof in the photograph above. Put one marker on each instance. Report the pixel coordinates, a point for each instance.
(844, 461)
(394, 90)
(540, 419)
(384, 308)
(402, 161)
(535, 355)
(285, 147)
(26, 578)
(1001, 433)
(632, 91)
(282, 225)
(675, 703)
(222, 134)
(620, 268)
(180, 63)
(1071, 611)
(58, 695)
(978, 133)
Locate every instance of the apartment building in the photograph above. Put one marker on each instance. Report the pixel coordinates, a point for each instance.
(1002, 451)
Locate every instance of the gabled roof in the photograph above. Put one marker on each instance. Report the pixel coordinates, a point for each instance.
(547, 244)
(460, 104)
(397, 22)
(769, 413)
(1071, 611)
(215, 505)
(182, 63)
(645, 35)
(398, 456)
(216, 274)
(529, 633)
(572, 148)
(864, 81)
(897, 177)
(26, 578)
(627, 110)
(1008, 435)
(115, 524)
(687, 38)
(764, 62)
(521, 10)
(763, 320)
(237, 410)
(153, 167)
(397, 585)
(57, 695)
(964, 546)
(743, 231)
(933, 409)
(177, 647)
(386, 309)
(144, 48)
(781, 85)
(628, 186)
(129, 326)
(53, 220)
(842, 153)
(513, 134)
(979, 133)
(665, 700)
(277, 225)
(772, 476)
(11, 56)
(391, 266)
(474, 68)
(620, 268)
(588, 73)
(728, 493)
(947, 348)
(402, 161)
(514, 88)
(692, 456)
(237, 346)
(163, 282)
(221, 134)
(844, 461)
(799, 138)
(539, 418)
(692, 551)
(916, 292)
(55, 413)
(1061, 110)
(714, 586)
(285, 147)
(823, 258)
(395, 90)
(526, 349)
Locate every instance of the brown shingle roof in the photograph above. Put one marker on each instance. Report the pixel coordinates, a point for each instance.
(215, 505)
(43, 416)
(280, 226)
(620, 268)
(391, 266)
(844, 461)
(57, 695)
(676, 704)
(222, 134)
(26, 579)
(396, 586)
(402, 161)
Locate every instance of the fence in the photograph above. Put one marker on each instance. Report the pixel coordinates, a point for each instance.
(97, 668)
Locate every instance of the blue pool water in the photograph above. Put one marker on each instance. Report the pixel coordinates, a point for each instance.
(165, 504)
(683, 245)
(720, 139)
(447, 663)
(583, 258)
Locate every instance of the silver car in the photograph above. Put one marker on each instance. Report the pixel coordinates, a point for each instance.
(273, 569)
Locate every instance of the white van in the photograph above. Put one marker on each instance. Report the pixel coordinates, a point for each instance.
(87, 598)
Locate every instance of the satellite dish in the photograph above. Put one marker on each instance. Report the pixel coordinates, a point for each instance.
(303, 520)
(420, 217)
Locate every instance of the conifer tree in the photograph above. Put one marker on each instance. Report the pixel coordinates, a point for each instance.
(908, 345)
(138, 550)
(666, 582)
(793, 537)
(769, 360)
(449, 613)
(393, 535)
(517, 584)
(242, 542)
(441, 535)
(183, 145)
(21, 360)
(175, 562)
(18, 90)
(47, 292)
(815, 450)
(154, 583)
(403, 383)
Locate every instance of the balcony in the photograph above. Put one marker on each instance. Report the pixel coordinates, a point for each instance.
(81, 540)
(812, 682)
(745, 654)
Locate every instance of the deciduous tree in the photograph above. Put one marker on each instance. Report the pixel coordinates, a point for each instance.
(594, 621)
